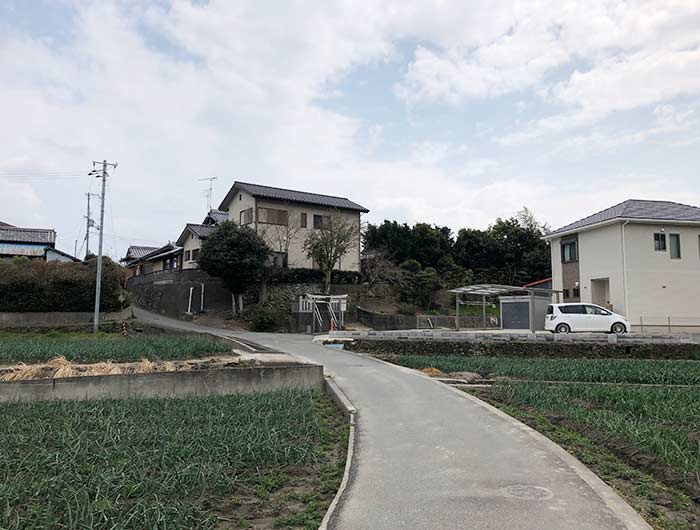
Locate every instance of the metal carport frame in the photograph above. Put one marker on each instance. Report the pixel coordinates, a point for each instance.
(489, 289)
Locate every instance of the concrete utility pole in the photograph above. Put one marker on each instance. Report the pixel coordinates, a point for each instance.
(98, 280)
(89, 223)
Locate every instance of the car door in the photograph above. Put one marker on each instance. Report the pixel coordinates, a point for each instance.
(575, 316)
(597, 318)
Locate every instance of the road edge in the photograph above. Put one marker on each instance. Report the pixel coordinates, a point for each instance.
(345, 405)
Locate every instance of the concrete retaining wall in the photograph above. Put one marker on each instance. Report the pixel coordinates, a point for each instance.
(166, 384)
(57, 319)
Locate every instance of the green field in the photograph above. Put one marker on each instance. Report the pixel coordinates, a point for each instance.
(88, 348)
(230, 461)
(646, 371)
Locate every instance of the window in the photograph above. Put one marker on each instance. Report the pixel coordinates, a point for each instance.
(566, 294)
(321, 220)
(187, 255)
(271, 216)
(577, 292)
(195, 254)
(303, 220)
(278, 260)
(593, 310)
(660, 242)
(568, 252)
(572, 309)
(675, 243)
(240, 196)
(246, 217)
(550, 310)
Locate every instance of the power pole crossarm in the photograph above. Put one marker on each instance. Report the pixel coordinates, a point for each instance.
(98, 279)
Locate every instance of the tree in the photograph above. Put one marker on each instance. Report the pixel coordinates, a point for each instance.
(327, 245)
(237, 255)
(376, 269)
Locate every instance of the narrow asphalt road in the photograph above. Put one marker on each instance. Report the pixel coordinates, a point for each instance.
(430, 458)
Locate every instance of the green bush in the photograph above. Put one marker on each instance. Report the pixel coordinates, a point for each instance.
(38, 286)
(280, 275)
(264, 320)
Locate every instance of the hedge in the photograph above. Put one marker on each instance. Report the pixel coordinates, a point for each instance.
(39, 286)
(281, 275)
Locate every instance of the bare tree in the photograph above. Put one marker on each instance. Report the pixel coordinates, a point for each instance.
(377, 269)
(327, 245)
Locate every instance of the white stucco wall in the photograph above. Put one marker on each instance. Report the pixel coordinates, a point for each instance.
(600, 257)
(661, 287)
(190, 243)
(557, 278)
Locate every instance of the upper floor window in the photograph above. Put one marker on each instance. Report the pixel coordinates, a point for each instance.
(660, 242)
(321, 220)
(569, 252)
(302, 220)
(246, 217)
(273, 217)
(675, 244)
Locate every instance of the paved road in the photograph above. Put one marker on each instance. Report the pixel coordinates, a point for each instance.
(430, 458)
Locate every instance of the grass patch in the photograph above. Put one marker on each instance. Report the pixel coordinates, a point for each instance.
(647, 371)
(88, 348)
(260, 460)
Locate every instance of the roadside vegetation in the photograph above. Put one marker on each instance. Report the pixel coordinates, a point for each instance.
(35, 347)
(634, 422)
(270, 460)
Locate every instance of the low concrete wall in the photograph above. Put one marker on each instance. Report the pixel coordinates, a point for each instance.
(166, 384)
(57, 319)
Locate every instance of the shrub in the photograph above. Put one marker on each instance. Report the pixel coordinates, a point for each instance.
(264, 320)
(54, 286)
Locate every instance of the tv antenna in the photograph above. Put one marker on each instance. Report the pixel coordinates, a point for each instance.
(209, 191)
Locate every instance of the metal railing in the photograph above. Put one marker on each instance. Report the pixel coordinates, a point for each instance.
(667, 324)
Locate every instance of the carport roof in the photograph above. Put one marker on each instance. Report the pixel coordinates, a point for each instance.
(492, 289)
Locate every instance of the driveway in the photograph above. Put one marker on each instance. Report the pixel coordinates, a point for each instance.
(430, 458)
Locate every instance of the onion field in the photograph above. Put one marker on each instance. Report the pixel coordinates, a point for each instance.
(638, 371)
(86, 348)
(170, 463)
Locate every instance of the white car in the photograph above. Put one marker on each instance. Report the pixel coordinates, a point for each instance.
(565, 318)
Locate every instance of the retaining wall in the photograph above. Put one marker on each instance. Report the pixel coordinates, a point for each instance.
(57, 319)
(213, 382)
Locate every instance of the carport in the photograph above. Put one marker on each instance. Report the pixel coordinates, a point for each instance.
(484, 290)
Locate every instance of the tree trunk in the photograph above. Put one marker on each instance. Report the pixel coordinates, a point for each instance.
(263, 291)
(240, 303)
(327, 286)
(233, 305)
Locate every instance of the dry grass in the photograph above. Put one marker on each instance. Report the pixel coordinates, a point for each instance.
(59, 367)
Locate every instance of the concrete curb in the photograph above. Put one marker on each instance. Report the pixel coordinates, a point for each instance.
(345, 405)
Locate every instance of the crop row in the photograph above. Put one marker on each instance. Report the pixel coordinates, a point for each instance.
(663, 421)
(148, 463)
(31, 348)
(649, 371)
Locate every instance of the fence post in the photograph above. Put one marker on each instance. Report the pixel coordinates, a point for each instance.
(641, 323)
(669, 325)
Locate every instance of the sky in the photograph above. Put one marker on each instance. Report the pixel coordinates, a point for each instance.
(447, 112)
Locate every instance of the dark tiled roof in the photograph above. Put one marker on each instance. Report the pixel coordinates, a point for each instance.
(136, 251)
(7, 224)
(281, 194)
(215, 217)
(637, 209)
(27, 235)
(201, 231)
(168, 248)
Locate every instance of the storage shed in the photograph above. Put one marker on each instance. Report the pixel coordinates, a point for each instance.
(515, 312)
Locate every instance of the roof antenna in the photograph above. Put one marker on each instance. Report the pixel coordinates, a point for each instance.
(209, 191)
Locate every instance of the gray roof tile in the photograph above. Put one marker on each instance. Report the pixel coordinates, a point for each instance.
(281, 194)
(27, 235)
(215, 217)
(637, 209)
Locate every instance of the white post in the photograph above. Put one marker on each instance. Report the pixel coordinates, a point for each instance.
(189, 304)
(201, 302)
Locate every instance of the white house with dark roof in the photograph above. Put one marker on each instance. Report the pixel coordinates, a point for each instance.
(285, 217)
(191, 240)
(641, 258)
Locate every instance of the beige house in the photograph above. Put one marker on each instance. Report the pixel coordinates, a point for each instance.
(191, 241)
(284, 218)
(640, 258)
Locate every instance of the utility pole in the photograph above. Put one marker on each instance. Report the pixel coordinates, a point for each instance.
(209, 191)
(98, 280)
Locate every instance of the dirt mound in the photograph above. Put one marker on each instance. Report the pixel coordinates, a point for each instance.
(432, 372)
(469, 377)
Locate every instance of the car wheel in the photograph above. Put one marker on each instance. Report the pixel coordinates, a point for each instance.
(618, 328)
(563, 328)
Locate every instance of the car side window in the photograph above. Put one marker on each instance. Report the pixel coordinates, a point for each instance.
(593, 310)
(572, 309)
